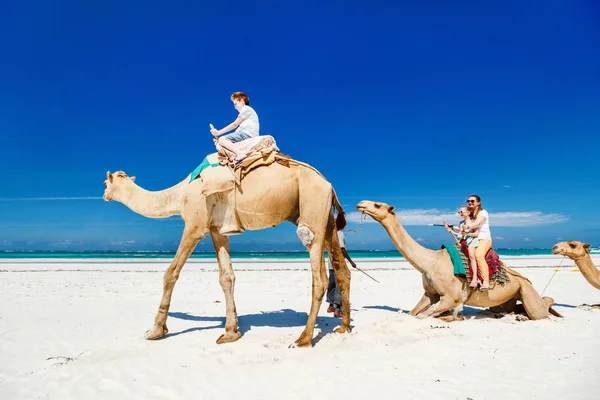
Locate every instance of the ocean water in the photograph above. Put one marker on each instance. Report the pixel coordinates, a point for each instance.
(291, 255)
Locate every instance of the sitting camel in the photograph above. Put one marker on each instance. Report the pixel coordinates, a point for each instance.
(266, 197)
(445, 291)
(580, 253)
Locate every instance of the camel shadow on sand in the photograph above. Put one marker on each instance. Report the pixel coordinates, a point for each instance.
(467, 312)
(285, 318)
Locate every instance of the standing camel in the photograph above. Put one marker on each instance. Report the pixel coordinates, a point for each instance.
(266, 197)
(443, 290)
(580, 253)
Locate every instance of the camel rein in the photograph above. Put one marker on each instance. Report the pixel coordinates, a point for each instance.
(552, 277)
(362, 222)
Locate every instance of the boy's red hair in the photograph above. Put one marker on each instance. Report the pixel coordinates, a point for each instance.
(241, 96)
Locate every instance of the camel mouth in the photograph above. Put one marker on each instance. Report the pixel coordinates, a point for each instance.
(559, 252)
(363, 211)
(361, 207)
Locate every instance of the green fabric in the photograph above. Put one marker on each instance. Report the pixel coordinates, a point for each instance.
(203, 165)
(459, 268)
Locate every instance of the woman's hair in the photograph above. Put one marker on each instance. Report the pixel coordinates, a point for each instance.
(476, 209)
(471, 211)
(241, 96)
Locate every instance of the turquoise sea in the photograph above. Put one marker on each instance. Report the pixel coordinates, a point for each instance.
(383, 254)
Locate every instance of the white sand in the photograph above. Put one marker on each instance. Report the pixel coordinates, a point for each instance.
(73, 330)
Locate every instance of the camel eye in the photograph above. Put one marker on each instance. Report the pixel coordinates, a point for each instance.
(377, 205)
(571, 245)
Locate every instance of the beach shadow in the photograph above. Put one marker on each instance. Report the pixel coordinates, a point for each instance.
(189, 317)
(384, 308)
(285, 318)
(564, 305)
(471, 310)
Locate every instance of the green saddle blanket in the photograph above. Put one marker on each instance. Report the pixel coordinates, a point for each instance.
(461, 265)
(459, 260)
(203, 165)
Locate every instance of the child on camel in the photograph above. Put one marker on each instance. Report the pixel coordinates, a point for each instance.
(246, 123)
(469, 235)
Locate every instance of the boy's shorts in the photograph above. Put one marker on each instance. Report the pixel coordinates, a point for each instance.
(236, 137)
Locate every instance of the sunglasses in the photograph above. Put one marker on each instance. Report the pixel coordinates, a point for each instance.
(470, 201)
(459, 213)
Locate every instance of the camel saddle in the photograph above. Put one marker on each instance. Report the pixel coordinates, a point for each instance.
(497, 270)
(220, 177)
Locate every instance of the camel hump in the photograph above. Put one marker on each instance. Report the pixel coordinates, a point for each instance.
(514, 273)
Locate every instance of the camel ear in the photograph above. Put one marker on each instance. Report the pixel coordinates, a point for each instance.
(391, 209)
(109, 176)
(132, 178)
(587, 246)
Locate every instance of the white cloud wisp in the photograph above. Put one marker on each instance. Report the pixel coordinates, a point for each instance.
(435, 216)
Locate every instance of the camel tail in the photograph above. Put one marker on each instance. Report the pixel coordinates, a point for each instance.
(554, 312)
(340, 220)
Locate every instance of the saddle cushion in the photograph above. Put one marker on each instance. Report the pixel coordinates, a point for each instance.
(215, 177)
(459, 253)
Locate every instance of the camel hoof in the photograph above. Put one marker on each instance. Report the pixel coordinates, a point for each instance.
(303, 341)
(449, 318)
(421, 316)
(156, 333)
(343, 329)
(229, 337)
(298, 343)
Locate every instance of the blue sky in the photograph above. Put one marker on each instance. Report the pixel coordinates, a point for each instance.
(416, 104)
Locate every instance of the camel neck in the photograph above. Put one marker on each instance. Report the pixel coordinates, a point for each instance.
(421, 258)
(589, 270)
(158, 204)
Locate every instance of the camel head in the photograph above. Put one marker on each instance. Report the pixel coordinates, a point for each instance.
(117, 185)
(572, 249)
(376, 210)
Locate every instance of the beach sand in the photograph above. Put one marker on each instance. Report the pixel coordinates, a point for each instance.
(74, 330)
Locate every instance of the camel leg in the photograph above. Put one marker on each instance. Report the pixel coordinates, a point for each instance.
(508, 307)
(445, 304)
(191, 237)
(317, 265)
(426, 301)
(227, 281)
(342, 273)
(454, 316)
(535, 306)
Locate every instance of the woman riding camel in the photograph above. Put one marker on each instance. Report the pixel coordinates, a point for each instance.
(484, 242)
(470, 237)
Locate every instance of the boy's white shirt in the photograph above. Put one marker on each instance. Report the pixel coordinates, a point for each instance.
(250, 124)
